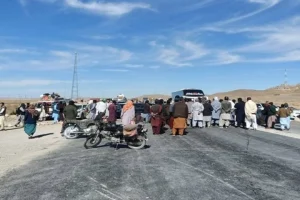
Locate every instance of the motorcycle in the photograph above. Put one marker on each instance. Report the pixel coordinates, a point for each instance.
(75, 128)
(114, 133)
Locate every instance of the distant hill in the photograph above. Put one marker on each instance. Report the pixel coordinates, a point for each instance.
(278, 94)
(154, 96)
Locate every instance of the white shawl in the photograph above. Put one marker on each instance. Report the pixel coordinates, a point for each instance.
(250, 108)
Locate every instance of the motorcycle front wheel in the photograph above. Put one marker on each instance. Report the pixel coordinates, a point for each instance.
(93, 141)
(137, 143)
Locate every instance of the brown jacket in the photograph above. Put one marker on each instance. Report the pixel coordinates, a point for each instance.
(180, 109)
(283, 113)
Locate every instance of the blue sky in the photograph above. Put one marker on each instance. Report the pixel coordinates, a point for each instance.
(140, 47)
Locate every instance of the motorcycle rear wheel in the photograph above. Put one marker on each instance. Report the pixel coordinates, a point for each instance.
(92, 141)
(68, 132)
(137, 144)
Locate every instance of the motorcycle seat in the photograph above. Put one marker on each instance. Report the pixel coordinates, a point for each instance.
(130, 127)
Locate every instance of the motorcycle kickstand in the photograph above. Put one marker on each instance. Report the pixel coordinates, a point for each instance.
(117, 147)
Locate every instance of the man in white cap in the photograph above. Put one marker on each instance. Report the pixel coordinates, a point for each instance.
(197, 114)
(250, 111)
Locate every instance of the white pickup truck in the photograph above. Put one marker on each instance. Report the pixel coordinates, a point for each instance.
(38, 106)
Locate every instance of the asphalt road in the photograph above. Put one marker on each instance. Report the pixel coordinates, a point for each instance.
(205, 164)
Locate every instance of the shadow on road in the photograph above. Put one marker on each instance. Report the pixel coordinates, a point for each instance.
(42, 135)
(120, 146)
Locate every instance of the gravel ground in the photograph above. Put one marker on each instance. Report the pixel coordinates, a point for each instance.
(205, 164)
(16, 149)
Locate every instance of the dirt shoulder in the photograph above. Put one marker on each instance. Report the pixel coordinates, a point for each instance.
(17, 150)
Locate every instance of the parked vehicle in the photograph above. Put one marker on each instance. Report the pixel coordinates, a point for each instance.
(295, 114)
(81, 113)
(114, 133)
(75, 128)
(188, 93)
(260, 106)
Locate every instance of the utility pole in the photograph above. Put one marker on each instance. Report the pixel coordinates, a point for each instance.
(74, 92)
(285, 79)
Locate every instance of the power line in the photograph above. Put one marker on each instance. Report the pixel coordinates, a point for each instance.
(74, 91)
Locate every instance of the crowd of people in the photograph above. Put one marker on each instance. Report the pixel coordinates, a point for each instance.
(204, 113)
(27, 116)
(177, 113)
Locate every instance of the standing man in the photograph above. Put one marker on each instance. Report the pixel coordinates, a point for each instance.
(240, 113)
(216, 112)
(180, 114)
(189, 104)
(271, 114)
(283, 114)
(197, 114)
(112, 109)
(107, 105)
(207, 112)
(265, 111)
(55, 112)
(225, 113)
(156, 119)
(232, 113)
(2, 116)
(91, 107)
(290, 111)
(250, 112)
(70, 113)
(21, 115)
(146, 112)
(101, 109)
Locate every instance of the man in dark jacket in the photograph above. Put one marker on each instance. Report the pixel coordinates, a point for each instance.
(146, 113)
(180, 114)
(20, 114)
(70, 113)
(271, 113)
(207, 113)
(240, 113)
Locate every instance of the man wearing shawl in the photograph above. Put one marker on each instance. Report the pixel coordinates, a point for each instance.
(128, 119)
(108, 103)
(112, 109)
(197, 114)
(250, 112)
(207, 112)
(225, 113)
(156, 119)
(31, 117)
(128, 113)
(166, 111)
(216, 112)
(189, 103)
(180, 114)
(101, 108)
